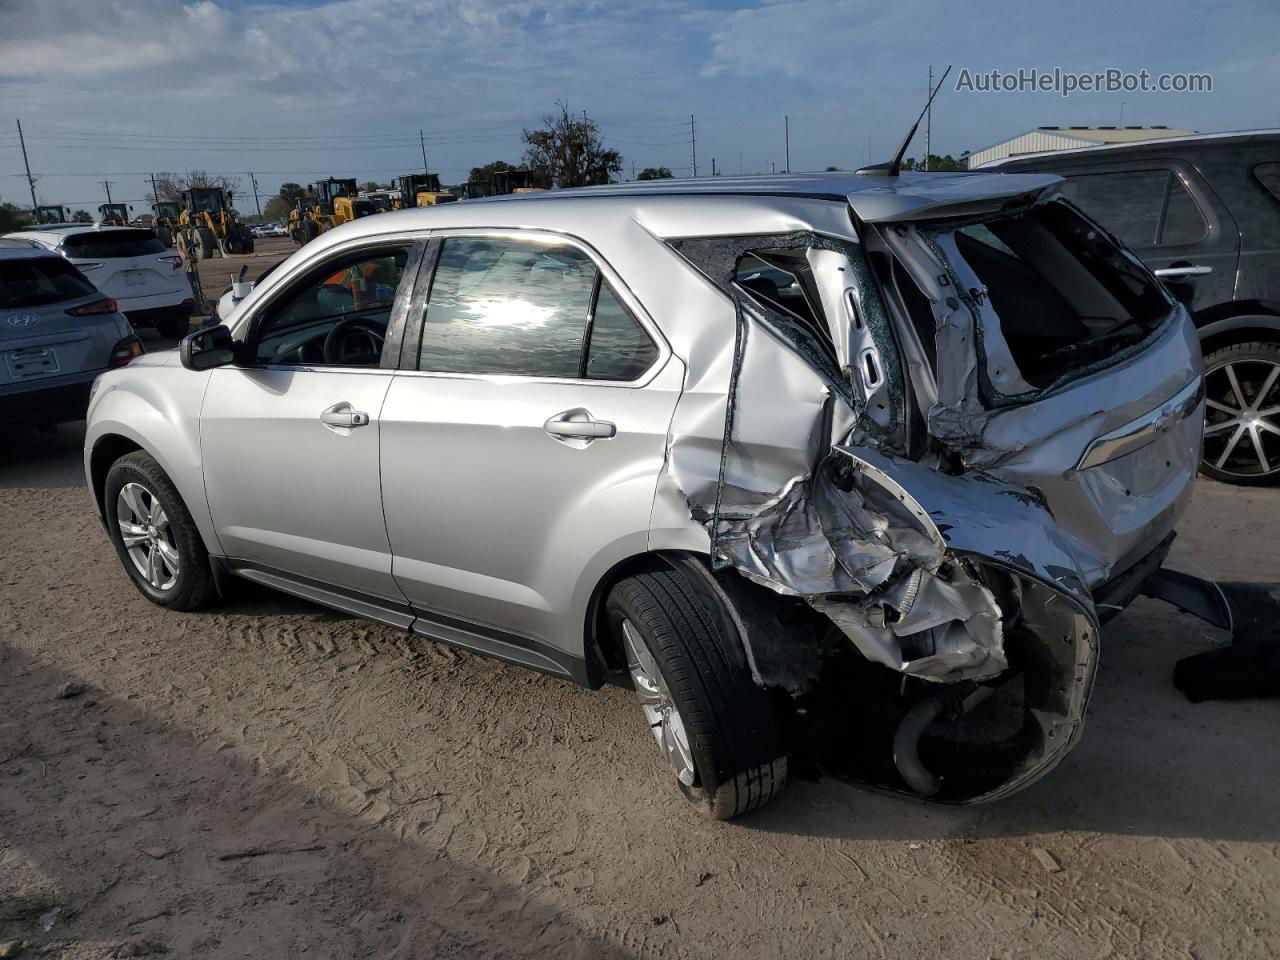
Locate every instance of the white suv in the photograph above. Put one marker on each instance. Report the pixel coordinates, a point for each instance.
(129, 265)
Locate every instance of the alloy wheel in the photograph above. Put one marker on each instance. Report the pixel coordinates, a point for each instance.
(147, 536)
(660, 710)
(1242, 421)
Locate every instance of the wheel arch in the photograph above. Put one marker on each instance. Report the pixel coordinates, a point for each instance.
(1238, 323)
(106, 450)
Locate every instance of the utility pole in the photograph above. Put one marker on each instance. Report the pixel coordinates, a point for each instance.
(107, 184)
(786, 123)
(773, 167)
(422, 142)
(693, 144)
(633, 169)
(928, 123)
(31, 181)
(155, 191)
(254, 181)
(713, 167)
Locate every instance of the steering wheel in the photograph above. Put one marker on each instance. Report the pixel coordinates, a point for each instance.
(341, 345)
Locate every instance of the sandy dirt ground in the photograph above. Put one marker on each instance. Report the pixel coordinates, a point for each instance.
(271, 779)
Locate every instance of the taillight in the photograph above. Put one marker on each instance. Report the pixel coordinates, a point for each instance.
(124, 351)
(175, 263)
(94, 309)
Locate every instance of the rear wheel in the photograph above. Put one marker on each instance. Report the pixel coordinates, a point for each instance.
(154, 535)
(1242, 419)
(714, 726)
(165, 236)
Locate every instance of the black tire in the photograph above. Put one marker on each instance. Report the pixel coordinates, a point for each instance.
(193, 585)
(206, 241)
(165, 236)
(1252, 364)
(174, 327)
(310, 230)
(246, 239)
(734, 736)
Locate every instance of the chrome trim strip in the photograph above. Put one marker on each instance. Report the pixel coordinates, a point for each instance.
(1144, 430)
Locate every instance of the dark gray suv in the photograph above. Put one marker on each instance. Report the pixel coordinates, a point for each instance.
(1204, 213)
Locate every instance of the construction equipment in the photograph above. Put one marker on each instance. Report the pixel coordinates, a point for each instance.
(305, 220)
(208, 222)
(341, 201)
(514, 181)
(473, 189)
(53, 214)
(423, 190)
(382, 200)
(165, 215)
(113, 214)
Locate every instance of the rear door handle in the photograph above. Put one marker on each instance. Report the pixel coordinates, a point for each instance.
(343, 415)
(578, 424)
(1190, 270)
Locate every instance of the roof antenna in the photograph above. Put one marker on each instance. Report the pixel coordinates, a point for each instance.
(894, 166)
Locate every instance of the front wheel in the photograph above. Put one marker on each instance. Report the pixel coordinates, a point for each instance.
(1242, 416)
(715, 727)
(154, 535)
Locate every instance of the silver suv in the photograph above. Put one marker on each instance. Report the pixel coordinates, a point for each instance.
(757, 445)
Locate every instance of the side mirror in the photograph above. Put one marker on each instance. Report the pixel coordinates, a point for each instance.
(207, 348)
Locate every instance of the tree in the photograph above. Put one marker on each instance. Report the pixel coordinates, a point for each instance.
(169, 186)
(13, 218)
(489, 169)
(568, 152)
(369, 186)
(82, 216)
(292, 191)
(654, 173)
(832, 169)
(277, 208)
(937, 163)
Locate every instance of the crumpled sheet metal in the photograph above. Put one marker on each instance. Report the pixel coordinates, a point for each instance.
(860, 546)
(852, 535)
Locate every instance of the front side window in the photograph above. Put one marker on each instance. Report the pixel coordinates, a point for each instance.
(337, 315)
(528, 308)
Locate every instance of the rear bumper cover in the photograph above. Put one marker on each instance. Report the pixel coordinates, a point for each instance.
(1148, 578)
(65, 399)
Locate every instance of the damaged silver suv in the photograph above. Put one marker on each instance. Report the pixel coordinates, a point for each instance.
(759, 444)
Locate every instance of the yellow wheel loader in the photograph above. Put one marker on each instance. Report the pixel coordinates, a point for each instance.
(164, 223)
(208, 223)
(423, 190)
(52, 214)
(113, 214)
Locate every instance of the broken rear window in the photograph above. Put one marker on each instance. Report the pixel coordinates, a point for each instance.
(1064, 295)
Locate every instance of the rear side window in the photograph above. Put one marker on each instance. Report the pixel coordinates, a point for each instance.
(28, 283)
(108, 244)
(528, 308)
(1144, 208)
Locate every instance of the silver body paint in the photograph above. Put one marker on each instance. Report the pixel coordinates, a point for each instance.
(468, 513)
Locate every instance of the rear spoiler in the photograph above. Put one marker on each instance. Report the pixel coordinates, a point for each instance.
(958, 195)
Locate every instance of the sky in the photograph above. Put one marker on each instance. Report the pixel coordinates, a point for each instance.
(298, 90)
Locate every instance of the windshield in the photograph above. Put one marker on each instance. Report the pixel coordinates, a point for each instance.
(29, 283)
(1063, 294)
(109, 244)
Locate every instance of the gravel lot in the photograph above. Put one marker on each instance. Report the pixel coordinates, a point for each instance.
(272, 779)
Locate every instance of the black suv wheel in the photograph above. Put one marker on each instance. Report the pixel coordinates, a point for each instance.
(1242, 419)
